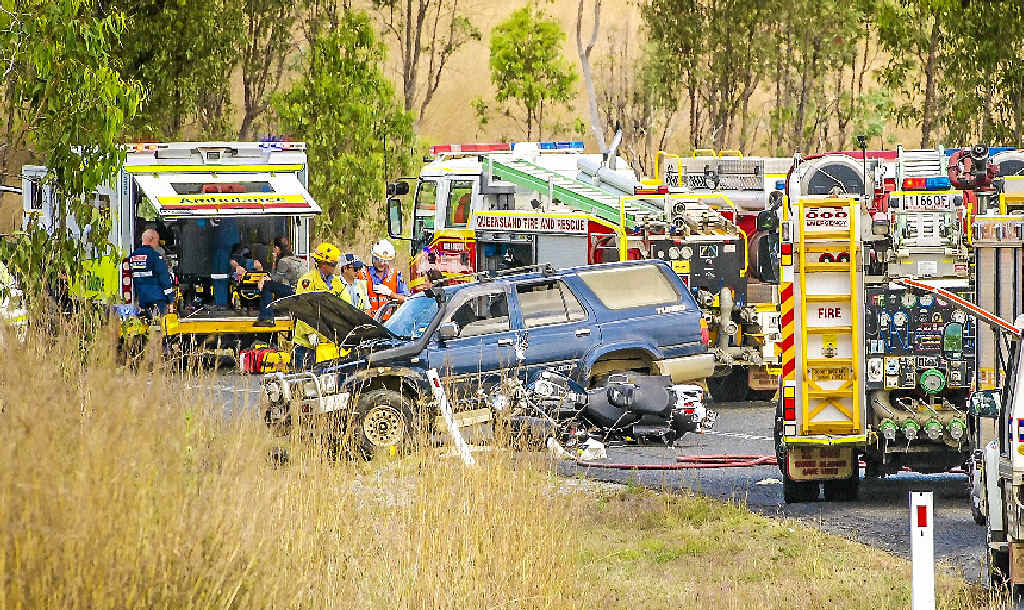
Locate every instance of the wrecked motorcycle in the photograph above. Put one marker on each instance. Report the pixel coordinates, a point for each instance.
(629, 408)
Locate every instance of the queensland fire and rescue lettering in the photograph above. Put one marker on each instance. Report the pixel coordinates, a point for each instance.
(559, 224)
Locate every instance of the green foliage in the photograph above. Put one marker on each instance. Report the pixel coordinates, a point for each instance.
(65, 101)
(346, 111)
(183, 52)
(527, 65)
(982, 82)
(268, 40)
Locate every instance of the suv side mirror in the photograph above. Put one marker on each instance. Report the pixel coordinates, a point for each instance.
(448, 330)
(395, 215)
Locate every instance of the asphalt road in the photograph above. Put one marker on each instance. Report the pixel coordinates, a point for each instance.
(880, 517)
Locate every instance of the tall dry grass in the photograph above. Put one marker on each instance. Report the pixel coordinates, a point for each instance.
(124, 489)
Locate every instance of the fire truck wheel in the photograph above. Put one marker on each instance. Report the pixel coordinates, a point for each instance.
(843, 490)
(730, 388)
(382, 423)
(798, 491)
(761, 395)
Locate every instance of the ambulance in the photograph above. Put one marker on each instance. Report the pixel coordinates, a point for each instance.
(198, 196)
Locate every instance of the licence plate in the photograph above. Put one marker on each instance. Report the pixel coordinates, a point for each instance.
(924, 201)
(335, 402)
(819, 463)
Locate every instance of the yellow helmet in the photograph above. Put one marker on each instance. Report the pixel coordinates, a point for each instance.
(327, 253)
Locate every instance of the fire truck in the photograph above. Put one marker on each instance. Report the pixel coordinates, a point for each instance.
(195, 194)
(870, 368)
(748, 191)
(491, 207)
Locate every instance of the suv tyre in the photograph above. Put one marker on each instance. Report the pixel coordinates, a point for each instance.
(382, 422)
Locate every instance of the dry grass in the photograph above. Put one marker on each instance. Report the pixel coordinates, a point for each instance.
(122, 489)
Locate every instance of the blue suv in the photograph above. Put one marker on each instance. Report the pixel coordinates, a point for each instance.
(585, 322)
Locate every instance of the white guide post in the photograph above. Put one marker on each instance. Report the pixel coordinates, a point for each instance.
(449, 417)
(922, 548)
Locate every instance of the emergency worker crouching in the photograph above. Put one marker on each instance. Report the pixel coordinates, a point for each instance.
(322, 278)
(355, 286)
(152, 282)
(383, 282)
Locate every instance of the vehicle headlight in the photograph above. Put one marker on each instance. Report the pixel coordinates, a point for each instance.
(329, 383)
(309, 389)
(273, 390)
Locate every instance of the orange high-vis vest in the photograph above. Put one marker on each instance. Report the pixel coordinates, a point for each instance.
(378, 300)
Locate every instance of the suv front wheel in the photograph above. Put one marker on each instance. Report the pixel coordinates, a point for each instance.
(382, 421)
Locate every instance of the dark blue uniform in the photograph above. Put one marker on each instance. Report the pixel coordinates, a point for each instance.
(150, 278)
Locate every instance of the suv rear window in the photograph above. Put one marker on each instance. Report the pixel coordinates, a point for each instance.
(548, 303)
(633, 286)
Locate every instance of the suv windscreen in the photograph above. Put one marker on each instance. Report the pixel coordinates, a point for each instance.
(633, 286)
(482, 314)
(412, 318)
(547, 303)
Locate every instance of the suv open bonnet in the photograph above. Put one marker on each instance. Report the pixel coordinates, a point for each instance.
(333, 317)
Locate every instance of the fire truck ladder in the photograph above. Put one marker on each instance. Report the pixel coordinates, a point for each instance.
(829, 353)
(574, 193)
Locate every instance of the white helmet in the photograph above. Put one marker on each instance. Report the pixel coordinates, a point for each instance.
(383, 250)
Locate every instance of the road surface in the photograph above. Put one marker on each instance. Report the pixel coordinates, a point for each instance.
(879, 518)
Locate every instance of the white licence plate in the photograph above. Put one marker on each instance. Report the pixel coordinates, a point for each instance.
(335, 402)
(925, 201)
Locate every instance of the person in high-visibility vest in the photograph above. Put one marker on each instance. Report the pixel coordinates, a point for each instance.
(322, 278)
(384, 283)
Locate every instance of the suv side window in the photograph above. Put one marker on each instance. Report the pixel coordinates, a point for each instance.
(483, 314)
(546, 303)
(629, 287)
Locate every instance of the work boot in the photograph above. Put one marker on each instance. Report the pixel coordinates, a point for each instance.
(264, 323)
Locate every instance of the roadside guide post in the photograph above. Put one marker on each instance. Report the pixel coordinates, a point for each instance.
(922, 550)
(449, 417)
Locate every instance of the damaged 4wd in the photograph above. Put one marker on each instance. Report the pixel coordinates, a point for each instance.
(584, 323)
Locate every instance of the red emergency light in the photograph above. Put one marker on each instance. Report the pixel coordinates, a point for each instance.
(659, 190)
(914, 184)
(470, 148)
(789, 409)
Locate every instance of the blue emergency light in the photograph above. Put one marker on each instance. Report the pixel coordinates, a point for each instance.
(780, 185)
(572, 145)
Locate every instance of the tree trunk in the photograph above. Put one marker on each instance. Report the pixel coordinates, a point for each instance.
(928, 118)
(588, 79)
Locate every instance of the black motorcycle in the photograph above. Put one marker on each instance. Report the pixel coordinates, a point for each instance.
(629, 409)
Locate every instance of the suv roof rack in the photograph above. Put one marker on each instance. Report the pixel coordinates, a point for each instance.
(489, 276)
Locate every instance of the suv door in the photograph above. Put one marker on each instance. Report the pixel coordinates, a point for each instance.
(557, 330)
(485, 349)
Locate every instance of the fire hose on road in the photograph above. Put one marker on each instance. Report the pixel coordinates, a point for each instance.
(693, 462)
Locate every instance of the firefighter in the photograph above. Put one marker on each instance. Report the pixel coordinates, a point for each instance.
(383, 282)
(323, 278)
(152, 282)
(355, 286)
